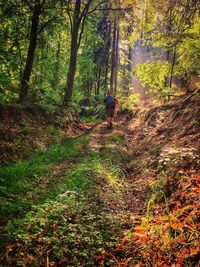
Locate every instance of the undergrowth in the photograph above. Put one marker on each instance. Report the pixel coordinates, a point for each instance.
(91, 119)
(169, 233)
(67, 228)
(18, 180)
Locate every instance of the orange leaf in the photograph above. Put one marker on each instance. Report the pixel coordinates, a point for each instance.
(28, 259)
(196, 190)
(194, 251)
(139, 264)
(140, 229)
(10, 247)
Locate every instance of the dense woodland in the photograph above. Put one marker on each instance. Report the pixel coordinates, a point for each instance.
(56, 52)
(74, 193)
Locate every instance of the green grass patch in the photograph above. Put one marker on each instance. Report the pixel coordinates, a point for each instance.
(18, 180)
(62, 222)
(117, 138)
(69, 226)
(92, 119)
(116, 151)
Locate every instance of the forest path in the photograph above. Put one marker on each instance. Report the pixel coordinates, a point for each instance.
(124, 200)
(77, 197)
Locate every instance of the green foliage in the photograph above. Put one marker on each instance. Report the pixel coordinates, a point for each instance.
(189, 53)
(52, 130)
(65, 229)
(7, 94)
(49, 73)
(117, 138)
(91, 119)
(154, 75)
(2, 127)
(21, 178)
(66, 225)
(129, 101)
(160, 26)
(12, 46)
(88, 63)
(26, 130)
(47, 69)
(168, 31)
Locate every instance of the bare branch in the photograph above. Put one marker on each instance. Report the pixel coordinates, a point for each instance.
(42, 5)
(81, 32)
(45, 24)
(82, 19)
(111, 9)
(85, 10)
(96, 7)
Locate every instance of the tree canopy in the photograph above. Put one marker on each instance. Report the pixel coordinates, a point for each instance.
(61, 51)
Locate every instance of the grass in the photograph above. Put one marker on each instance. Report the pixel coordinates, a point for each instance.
(31, 181)
(68, 220)
(53, 202)
(91, 119)
(20, 179)
(117, 138)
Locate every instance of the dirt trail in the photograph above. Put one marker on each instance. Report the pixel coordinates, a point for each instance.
(129, 198)
(103, 190)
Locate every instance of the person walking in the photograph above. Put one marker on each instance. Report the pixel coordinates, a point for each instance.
(110, 106)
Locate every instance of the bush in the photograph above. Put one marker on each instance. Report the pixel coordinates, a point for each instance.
(154, 74)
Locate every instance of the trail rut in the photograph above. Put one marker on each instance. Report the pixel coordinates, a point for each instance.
(128, 199)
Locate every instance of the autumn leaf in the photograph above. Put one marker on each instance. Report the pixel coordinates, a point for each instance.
(139, 229)
(28, 259)
(9, 247)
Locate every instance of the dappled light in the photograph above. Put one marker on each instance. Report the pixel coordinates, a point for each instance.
(99, 133)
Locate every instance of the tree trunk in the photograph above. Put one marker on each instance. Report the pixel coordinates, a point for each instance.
(172, 68)
(113, 58)
(88, 86)
(107, 57)
(168, 29)
(72, 67)
(98, 81)
(30, 55)
(167, 59)
(116, 61)
(73, 54)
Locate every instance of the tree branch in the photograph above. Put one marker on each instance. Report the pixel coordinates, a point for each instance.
(111, 9)
(85, 10)
(69, 15)
(95, 8)
(45, 24)
(81, 32)
(82, 19)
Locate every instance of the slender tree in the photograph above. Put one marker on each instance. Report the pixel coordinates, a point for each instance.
(113, 57)
(77, 21)
(31, 51)
(116, 61)
(75, 42)
(36, 9)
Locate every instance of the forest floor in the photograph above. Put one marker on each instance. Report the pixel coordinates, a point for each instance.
(126, 197)
(117, 194)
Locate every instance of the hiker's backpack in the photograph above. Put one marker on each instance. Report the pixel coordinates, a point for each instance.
(110, 102)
